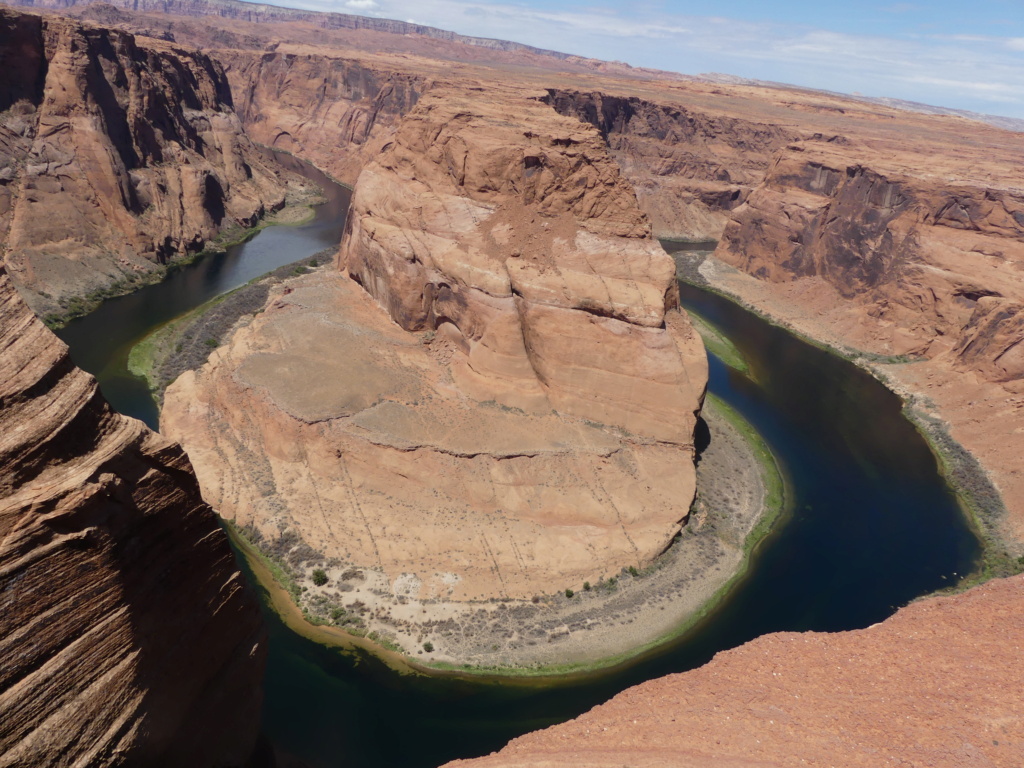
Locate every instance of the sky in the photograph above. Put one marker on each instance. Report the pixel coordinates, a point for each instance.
(964, 54)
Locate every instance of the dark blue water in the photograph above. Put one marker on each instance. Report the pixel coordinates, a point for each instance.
(101, 341)
(873, 526)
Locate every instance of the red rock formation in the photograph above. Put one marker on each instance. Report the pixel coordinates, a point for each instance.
(127, 634)
(536, 431)
(690, 166)
(913, 257)
(938, 684)
(115, 156)
(521, 242)
(334, 111)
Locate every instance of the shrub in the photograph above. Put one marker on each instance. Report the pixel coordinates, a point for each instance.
(319, 577)
(633, 571)
(586, 586)
(569, 592)
(212, 343)
(428, 647)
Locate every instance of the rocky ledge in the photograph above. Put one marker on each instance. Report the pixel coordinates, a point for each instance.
(938, 684)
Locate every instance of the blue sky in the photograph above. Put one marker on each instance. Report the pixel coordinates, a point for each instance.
(951, 53)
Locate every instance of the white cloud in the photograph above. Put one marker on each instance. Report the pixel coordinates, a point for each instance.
(361, 5)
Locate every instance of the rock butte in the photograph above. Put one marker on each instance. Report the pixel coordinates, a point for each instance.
(128, 635)
(116, 155)
(525, 423)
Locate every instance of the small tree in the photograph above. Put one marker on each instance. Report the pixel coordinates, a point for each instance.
(319, 577)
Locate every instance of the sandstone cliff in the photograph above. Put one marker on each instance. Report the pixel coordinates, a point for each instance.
(689, 165)
(116, 156)
(521, 243)
(931, 265)
(938, 684)
(334, 111)
(127, 634)
(528, 422)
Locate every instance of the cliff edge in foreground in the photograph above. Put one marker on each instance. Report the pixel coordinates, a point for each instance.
(127, 632)
(938, 684)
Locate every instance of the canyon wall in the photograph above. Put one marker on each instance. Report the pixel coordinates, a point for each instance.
(932, 267)
(496, 396)
(689, 166)
(937, 684)
(333, 111)
(128, 635)
(116, 156)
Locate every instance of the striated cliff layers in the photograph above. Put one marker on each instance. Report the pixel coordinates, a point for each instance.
(127, 633)
(938, 684)
(334, 111)
(116, 156)
(933, 268)
(690, 166)
(525, 423)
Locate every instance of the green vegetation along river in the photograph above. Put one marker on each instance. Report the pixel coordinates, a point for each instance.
(873, 526)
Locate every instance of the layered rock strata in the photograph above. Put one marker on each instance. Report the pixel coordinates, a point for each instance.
(525, 423)
(128, 635)
(116, 155)
(690, 166)
(937, 684)
(932, 269)
(334, 111)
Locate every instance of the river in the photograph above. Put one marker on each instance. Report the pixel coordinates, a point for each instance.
(873, 525)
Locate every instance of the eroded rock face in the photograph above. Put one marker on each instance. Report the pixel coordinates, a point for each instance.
(127, 632)
(937, 684)
(336, 112)
(690, 166)
(521, 243)
(115, 156)
(525, 423)
(924, 265)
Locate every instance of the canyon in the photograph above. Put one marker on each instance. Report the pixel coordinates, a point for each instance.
(487, 220)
